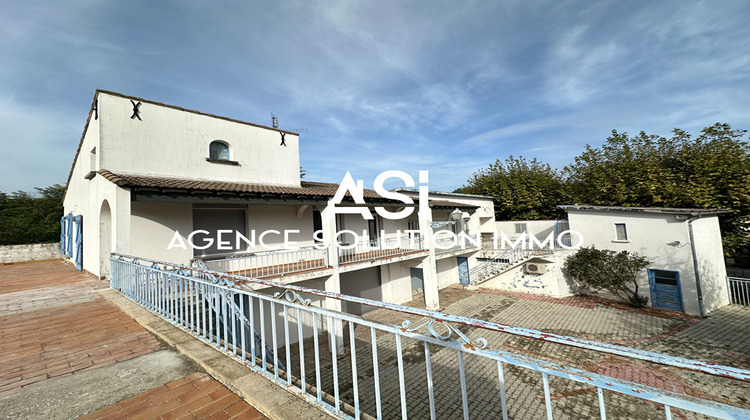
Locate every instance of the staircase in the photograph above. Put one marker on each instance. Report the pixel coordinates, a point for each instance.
(497, 265)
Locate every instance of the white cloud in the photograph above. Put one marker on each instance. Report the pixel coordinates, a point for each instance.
(36, 155)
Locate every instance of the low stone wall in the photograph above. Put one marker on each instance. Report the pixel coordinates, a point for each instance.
(29, 252)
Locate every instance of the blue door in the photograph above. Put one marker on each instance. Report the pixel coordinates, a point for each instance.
(665, 289)
(463, 270)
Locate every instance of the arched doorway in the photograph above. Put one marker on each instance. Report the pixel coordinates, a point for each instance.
(105, 239)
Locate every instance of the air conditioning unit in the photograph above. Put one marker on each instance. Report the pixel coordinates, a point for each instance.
(535, 268)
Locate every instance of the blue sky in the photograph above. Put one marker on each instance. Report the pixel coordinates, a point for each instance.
(446, 86)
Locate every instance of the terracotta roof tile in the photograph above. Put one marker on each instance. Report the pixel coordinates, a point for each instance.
(323, 190)
(307, 188)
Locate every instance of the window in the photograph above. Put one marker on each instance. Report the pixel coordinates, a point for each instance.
(218, 150)
(317, 223)
(665, 277)
(373, 228)
(213, 220)
(621, 231)
(520, 228)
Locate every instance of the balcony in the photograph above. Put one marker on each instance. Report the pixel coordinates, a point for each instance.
(269, 264)
(381, 249)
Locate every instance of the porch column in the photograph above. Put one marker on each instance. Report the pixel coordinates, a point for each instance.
(333, 282)
(429, 266)
(333, 285)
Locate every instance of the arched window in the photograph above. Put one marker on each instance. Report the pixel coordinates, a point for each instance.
(218, 150)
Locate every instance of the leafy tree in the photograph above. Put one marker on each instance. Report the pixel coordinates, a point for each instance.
(709, 171)
(31, 217)
(591, 270)
(523, 189)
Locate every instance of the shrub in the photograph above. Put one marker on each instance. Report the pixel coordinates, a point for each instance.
(591, 270)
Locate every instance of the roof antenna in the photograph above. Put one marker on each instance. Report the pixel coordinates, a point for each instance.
(275, 123)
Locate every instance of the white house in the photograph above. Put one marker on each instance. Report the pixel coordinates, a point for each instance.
(687, 271)
(146, 175)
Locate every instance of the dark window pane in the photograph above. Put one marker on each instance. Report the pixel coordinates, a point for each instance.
(622, 233)
(670, 282)
(218, 150)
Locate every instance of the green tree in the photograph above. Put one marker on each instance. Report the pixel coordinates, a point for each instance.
(591, 270)
(31, 217)
(523, 189)
(708, 171)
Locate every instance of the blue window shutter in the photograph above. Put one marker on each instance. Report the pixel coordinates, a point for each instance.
(69, 239)
(62, 235)
(79, 241)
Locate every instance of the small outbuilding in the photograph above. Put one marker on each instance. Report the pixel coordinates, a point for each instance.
(687, 271)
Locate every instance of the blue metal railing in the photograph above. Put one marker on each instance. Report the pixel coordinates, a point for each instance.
(213, 309)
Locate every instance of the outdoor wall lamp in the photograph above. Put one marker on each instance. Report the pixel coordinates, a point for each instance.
(455, 216)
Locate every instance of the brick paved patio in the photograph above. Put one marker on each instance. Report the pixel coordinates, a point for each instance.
(195, 396)
(54, 325)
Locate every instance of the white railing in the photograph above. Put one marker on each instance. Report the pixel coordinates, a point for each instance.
(445, 245)
(268, 263)
(739, 291)
(565, 239)
(388, 369)
(380, 248)
(497, 264)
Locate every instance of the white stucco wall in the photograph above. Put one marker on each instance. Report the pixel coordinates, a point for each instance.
(282, 218)
(540, 228)
(354, 223)
(153, 226)
(665, 241)
(447, 272)
(170, 142)
(361, 283)
(551, 283)
(711, 268)
(396, 281)
(85, 197)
